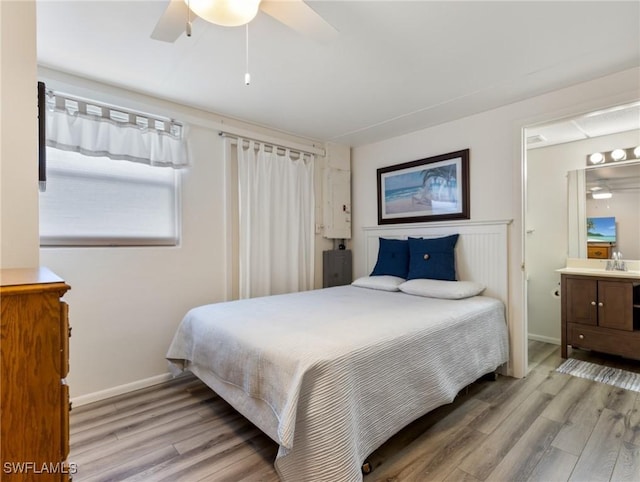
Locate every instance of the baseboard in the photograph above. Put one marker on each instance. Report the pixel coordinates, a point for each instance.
(119, 390)
(545, 339)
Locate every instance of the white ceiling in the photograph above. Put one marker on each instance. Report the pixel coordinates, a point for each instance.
(604, 122)
(614, 177)
(395, 66)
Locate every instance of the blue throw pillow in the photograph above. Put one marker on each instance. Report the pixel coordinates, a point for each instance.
(433, 258)
(393, 258)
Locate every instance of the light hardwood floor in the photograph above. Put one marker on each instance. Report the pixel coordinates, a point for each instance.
(545, 427)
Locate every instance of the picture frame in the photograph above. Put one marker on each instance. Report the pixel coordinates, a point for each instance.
(426, 190)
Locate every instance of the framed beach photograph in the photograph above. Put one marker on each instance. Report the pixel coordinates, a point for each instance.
(432, 189)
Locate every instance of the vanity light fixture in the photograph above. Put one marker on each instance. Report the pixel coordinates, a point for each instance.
(596, 158)
(619, 154)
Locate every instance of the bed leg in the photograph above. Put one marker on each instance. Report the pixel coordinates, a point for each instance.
(490, 377)
(367, 468)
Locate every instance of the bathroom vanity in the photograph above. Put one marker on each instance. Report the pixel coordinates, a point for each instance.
(600, 309)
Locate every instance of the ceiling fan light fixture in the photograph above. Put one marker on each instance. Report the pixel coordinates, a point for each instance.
(601, 195)
(228, 13)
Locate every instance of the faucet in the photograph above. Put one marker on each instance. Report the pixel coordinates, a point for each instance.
(616, 263)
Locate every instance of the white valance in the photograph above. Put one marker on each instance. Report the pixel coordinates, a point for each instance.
(102, 131)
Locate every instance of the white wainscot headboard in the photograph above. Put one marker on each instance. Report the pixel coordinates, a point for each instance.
(481, 250)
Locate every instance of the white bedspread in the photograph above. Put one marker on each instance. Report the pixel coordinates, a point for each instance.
(343, 368)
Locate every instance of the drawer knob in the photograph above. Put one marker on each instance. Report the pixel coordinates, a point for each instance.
(581, 337)
(601, 304)
(593, 303)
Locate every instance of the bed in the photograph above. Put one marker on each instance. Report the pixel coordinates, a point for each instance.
(331, 374)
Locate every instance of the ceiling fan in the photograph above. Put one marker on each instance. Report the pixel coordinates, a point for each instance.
(296, 14)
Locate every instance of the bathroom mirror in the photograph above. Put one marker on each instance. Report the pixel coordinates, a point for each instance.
(622, 182)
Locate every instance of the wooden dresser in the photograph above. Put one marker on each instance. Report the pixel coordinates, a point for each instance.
(601, 313)
(599, 250)
(34, 361)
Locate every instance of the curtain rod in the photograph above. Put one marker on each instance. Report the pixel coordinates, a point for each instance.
(300, 148)
(115, 113)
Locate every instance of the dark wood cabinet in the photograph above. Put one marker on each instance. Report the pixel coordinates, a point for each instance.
(602, 314)
(34, 361)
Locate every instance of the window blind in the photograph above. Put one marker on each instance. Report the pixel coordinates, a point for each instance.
(97, 201)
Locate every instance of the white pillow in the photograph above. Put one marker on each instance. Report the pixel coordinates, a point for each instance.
(382, 282)
(448, 290)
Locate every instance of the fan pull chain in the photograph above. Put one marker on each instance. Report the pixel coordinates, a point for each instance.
(188, 29)
(247, 75)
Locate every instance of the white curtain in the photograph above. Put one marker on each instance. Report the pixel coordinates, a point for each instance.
(96, 136)
(276, 204)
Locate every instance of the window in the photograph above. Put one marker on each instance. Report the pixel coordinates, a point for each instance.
(113, 175)
(96, 201)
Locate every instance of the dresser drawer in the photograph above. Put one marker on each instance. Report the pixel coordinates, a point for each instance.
(65, 408)
(65, 333)
(599, 252)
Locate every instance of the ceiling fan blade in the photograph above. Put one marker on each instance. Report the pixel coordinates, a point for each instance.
(172, 23)
(299, 16)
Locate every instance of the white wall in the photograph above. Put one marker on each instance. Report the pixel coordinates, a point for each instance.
(494, 138)
(18, 136)
(546, 218)
(125, 303)
(625, 207)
